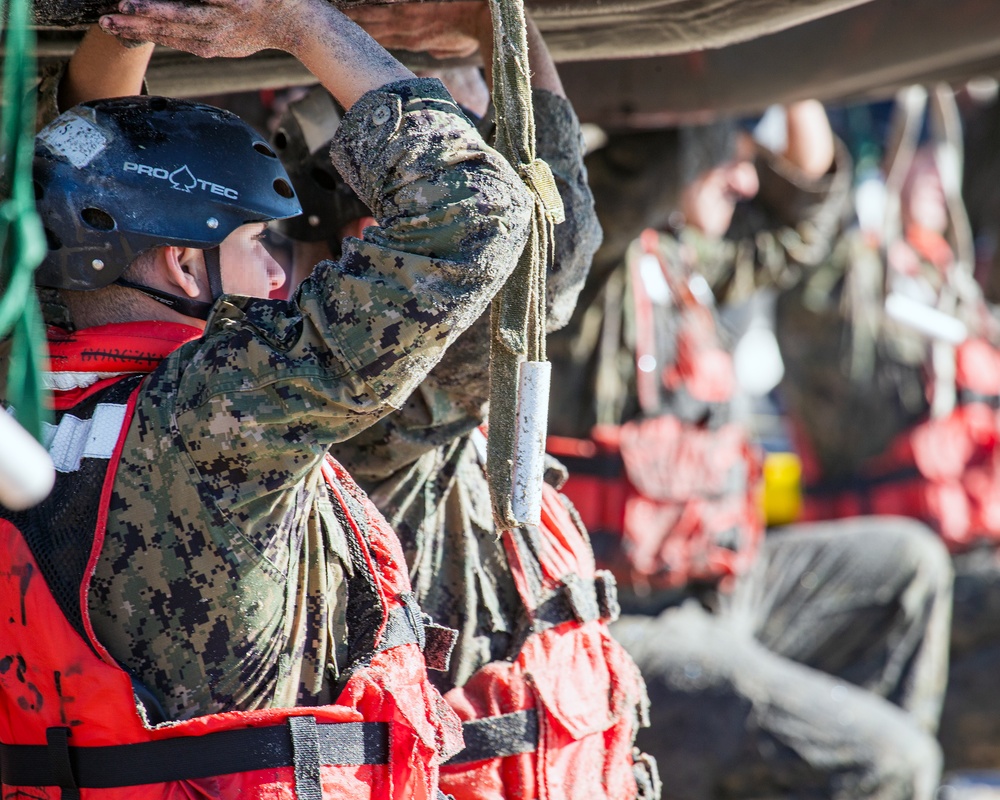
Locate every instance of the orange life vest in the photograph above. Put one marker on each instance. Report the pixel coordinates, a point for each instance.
(73, 720)
(944, 472)
(559, 720)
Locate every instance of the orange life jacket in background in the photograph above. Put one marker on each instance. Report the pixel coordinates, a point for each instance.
(670, 498)
(559, 720)
(944, 472)
(73, 718)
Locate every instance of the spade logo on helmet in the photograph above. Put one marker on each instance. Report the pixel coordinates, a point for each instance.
(181, 179)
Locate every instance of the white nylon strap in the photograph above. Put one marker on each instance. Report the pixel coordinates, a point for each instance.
(67, 381)
(74, 439)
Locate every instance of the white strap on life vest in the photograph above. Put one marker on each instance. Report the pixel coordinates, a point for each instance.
(74, 439)
(67, 381)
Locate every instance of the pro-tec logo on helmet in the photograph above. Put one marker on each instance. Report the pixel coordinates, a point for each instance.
(181, 179)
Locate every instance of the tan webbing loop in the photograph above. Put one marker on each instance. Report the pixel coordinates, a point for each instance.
(517, 316)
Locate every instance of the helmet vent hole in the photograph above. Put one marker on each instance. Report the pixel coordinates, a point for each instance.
(264, 150)
(97, 219)
(158, 104)
(281, 187)
(280, 140)
(53, 240)
(323, 179)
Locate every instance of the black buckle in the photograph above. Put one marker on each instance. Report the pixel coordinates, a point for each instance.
(606, 588)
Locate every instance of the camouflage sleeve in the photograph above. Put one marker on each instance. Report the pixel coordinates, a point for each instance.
(47, 93)
(360, 334)
(559, 142)
(788, 229)
(451, 401)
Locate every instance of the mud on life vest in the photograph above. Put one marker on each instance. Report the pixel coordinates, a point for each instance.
(74, 723)
(943, 471)
(670, 498)
(559, 719)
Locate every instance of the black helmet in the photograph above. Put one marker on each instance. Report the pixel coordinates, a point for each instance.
(302, 141)
(114, 178)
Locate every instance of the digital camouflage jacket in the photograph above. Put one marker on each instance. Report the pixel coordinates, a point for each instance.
(221, 581)
(419, 465)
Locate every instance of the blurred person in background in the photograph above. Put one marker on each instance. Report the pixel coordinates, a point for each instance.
(807, 663)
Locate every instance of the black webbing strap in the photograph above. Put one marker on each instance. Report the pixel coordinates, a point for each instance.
(305, 752)
(498, 737)
(199, 309)
(213, 267)
(408, 625)
(192, 757)
(579, 600)
(404, 626)
(58, 758)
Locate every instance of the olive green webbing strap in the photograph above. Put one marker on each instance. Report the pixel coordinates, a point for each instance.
(22, 241)
(517, 315)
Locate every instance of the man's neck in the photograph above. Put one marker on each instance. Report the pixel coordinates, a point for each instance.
(88, 310)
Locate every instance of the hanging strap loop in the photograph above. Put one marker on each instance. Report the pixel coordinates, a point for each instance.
(538, 176)
(517, 316)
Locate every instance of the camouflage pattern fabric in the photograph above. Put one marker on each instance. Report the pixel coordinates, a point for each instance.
(220, 584)
(419, 465)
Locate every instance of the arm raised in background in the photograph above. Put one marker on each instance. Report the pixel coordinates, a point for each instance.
(811, 146)
(101, 66)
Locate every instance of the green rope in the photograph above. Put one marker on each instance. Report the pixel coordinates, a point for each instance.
(22, 240)
(518, 313)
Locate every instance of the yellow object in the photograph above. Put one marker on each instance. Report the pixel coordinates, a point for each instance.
(782, 498)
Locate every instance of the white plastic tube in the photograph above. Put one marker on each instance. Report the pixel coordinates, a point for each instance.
(529, 441)
(26, 471)
(925, 319)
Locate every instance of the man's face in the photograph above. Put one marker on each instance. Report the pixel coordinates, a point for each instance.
(709, 201)
(247, 268)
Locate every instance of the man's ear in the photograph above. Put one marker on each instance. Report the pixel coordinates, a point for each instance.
(185, 271)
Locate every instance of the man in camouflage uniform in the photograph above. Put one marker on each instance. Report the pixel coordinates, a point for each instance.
(819, 673)
(221, 582)
(420, 465)
(423, 464)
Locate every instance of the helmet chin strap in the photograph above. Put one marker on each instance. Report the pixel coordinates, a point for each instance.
(198, 309)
